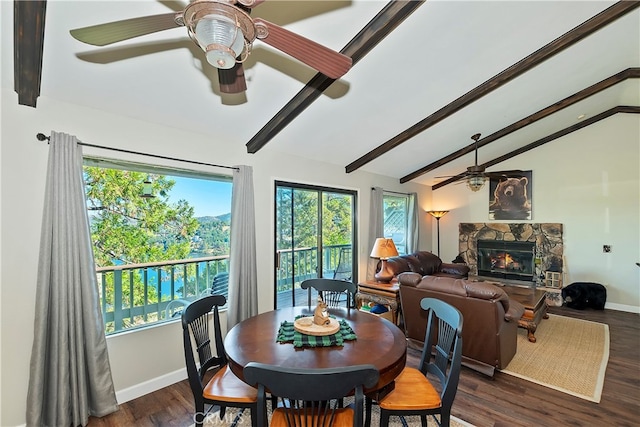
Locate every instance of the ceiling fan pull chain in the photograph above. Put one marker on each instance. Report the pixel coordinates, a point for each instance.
(244, 54)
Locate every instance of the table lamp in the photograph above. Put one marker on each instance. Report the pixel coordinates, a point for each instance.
(384, 249)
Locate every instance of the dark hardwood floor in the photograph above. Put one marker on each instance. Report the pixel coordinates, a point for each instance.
(510, 401)
(504, 401)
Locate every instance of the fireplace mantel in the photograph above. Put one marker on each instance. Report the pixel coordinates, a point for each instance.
(547, 237)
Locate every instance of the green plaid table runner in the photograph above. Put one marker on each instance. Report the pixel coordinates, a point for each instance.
(287, 333)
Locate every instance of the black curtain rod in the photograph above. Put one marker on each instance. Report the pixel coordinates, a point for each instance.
(389, 191)
(43, 137)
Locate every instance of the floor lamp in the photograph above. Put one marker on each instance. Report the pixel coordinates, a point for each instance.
(437, 215)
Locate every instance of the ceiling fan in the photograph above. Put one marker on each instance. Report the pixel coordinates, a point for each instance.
(224, 30)
(475, 177)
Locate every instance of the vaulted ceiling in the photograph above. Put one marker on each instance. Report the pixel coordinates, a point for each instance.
(426, 76)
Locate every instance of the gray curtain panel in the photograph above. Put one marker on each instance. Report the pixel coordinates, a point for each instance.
(243, 276)
(376, 227)
(413, 226)
(70, 376)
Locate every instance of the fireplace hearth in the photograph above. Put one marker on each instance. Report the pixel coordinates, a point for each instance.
(536, 249)
(506, 260)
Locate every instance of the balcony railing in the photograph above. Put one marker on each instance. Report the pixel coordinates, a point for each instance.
(299, 264)
(134, 295)
(137, 295)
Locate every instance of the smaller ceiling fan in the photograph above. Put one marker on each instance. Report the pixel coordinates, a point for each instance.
(475, 176)
(224, 30)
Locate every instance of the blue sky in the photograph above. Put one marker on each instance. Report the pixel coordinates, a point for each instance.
(208, 198)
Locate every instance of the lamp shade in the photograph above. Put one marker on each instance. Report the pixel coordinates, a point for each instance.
(384, 248)
(437, 214)
(221, 39)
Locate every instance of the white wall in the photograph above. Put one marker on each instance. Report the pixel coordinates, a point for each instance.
(144, 360)
(589, 181)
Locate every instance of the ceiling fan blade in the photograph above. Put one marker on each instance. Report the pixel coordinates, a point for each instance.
(445, 176)
(512, 171)
(329, 62)
(503, 174)
(232, 80)
(112, 32)
(453, 178)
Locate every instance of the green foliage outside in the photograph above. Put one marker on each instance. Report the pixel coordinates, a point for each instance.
(212, 237)
(395, 220)
(127, 228)
(336, 218)
(302, 233)
(337, 224)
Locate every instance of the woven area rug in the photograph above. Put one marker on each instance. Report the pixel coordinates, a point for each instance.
(213, 420)
(570, 355)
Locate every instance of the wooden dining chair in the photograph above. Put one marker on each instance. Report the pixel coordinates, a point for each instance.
(224, 389)
(311, 397)
(333, 292)
(414, 393)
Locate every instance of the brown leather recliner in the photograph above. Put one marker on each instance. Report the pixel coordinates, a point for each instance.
(425, 263)
(490, 317)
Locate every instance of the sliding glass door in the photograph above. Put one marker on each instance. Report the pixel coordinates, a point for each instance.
(314, 237)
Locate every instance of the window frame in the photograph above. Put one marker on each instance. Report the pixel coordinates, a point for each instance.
(401, 245)
(166, 309)
(321, 190)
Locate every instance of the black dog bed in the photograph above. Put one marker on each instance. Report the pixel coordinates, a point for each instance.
(581, 295)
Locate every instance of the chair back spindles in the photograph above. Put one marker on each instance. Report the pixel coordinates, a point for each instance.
(196, 327)
(333, 292)
(441, 357)
(311, 397)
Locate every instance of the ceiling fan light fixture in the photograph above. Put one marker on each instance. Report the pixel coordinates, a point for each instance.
(221, 38)
(475, 183)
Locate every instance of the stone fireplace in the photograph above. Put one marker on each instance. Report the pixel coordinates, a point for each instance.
(522, 253)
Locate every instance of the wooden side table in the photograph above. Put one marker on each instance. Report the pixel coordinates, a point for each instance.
(535, 307)
(387, 294)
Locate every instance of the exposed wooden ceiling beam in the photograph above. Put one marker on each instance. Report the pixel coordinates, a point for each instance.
(568, 39)
(545, 112)
(553, 136)
(28, 42)
(373, 33)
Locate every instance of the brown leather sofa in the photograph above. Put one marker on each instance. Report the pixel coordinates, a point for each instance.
(426, 264)
(490, 317)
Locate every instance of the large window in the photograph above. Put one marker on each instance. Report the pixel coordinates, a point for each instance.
(314, 236)
(160, 239)
(396, 219)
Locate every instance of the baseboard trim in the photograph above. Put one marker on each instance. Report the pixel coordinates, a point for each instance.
(622, 307)
(150, 386)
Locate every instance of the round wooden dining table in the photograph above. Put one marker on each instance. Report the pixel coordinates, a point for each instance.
(378, 342)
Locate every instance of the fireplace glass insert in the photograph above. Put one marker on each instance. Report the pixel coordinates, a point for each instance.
(506, 260)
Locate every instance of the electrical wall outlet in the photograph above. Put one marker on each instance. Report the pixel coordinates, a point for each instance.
(606, 248)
